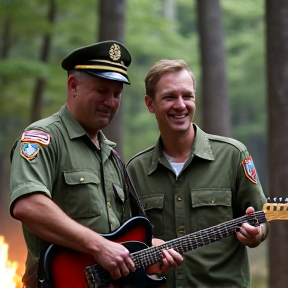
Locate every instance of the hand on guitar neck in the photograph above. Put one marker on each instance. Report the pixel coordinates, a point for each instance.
(249, 235)
(170, 258)
(115, 258)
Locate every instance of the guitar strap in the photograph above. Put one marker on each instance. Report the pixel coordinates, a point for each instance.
(137, 208)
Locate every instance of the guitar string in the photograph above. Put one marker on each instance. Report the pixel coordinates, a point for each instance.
(151, 255)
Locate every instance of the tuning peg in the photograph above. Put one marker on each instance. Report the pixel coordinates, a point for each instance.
(275, 199)
(284, 200)
(268, 200)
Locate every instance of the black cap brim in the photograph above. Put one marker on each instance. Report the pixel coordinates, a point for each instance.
(108, 75)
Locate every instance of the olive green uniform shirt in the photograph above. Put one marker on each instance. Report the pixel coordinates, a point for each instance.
(85, 182)
(211, 188)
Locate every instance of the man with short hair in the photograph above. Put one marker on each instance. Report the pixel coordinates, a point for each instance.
(68, 185)
(190, 181)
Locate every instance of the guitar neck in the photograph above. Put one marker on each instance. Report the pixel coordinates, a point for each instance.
(151, 255)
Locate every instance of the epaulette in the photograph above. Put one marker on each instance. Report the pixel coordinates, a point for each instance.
(237, 144)
(149, 149)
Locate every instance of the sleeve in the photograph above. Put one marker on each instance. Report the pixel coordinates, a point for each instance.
(33, 164)
(249, 191)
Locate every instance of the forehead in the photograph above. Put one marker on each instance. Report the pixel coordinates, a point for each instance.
(175, 81)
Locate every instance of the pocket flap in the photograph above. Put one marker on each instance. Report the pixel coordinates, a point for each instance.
(81, 177)
(155, 201)
(119, 191)
(211, 197)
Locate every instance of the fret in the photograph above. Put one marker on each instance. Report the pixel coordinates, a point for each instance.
(198, 239)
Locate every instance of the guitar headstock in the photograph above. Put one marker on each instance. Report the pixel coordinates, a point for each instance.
(276, 208)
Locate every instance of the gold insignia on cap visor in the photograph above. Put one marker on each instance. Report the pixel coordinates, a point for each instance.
(115, 52)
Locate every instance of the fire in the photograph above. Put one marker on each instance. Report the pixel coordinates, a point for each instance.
(8, 274)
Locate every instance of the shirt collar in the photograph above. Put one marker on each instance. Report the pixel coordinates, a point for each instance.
(75, 130)
(201, 148)
(72, 126)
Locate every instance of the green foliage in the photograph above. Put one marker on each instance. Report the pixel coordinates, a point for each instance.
(244, 31)
(150, 37)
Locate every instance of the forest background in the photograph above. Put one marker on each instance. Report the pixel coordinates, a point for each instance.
(153, 30)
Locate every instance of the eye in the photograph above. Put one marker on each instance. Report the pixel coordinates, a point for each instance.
(118, 94)
(189, 96)
(101, 91)
(168, 97)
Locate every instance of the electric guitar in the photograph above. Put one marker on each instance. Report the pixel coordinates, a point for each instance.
(65, 268)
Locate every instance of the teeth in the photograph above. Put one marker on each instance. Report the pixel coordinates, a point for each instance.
(182, 116)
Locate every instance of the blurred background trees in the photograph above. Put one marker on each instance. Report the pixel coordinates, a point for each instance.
(230, 45)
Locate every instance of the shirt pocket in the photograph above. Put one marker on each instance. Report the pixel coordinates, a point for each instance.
(153, 206)
(210, 207)
(83, 197)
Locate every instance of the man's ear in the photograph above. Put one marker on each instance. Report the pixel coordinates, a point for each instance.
(72, 83)
(149, 103)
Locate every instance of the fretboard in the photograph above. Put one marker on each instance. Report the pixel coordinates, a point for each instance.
(151, 255)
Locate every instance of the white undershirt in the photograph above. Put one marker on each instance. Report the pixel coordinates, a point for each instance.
(177, 167)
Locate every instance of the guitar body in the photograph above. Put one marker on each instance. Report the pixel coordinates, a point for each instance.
(64, 268)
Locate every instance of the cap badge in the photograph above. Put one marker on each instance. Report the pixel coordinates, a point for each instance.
(115, 52)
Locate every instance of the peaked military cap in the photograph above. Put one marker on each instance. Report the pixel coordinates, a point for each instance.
(107, 59)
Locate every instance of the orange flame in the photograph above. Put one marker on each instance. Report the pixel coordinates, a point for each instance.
(8, 274)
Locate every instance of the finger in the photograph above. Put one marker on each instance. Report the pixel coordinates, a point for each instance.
(177, 258)
(168, 257)
(124, 270)
(164, 265)
(130, 265)
(116, 274)
(249, 210)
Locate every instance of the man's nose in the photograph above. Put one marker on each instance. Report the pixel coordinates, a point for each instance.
(109, 100)
(180, 103)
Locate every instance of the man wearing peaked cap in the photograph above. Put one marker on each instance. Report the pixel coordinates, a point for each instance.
(68, 185)
(108, 59)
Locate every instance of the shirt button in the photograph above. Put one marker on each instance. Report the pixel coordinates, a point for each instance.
(109, 204)
(179, 198)
(82, 179)
(180, 230)
(213, 200)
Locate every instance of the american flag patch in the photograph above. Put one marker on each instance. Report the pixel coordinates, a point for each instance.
(36, 136)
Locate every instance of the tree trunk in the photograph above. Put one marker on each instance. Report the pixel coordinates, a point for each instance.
(170, 9)
(41, 81)
(277, 75)
(214, 95)
(112, 27)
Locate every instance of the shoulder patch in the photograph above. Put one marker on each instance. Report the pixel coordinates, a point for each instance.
(249, 169)
(36, 136)
(29, 150)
